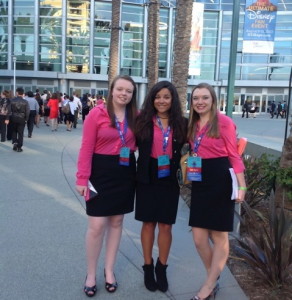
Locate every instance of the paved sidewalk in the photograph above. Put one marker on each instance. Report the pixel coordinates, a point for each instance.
(43, 223)
(262, 130)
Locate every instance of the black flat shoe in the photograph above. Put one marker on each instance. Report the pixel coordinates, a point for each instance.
(110, 287)
(89, 290)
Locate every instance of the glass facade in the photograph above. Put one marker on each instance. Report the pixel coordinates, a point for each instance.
(132, 40)
(101, 36)
(24, 33)
(53, 40)
(50, 36)
(4, 35)
(77, 36)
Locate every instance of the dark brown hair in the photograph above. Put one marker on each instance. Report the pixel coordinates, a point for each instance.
(145, 118)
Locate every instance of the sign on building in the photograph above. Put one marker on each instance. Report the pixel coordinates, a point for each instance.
(259, 26)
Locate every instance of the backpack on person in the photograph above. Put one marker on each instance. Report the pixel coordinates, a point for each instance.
(66, 108)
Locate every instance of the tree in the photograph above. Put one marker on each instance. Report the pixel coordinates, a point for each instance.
(182, 36)
(115, 41)
(153, 42)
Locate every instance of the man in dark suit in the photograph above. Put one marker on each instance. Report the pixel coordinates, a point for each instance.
(19, 116)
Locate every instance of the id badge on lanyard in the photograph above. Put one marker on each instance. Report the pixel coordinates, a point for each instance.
(163, 166)
(194, 168)
(194, 163)
(163, 160)
(124, 159)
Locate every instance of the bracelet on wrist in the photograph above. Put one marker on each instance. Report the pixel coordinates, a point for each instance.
(242, 188)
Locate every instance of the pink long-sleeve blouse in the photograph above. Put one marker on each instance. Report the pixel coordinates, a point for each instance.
(99, 137)
(225, 145)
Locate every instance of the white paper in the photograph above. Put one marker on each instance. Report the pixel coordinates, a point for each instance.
(91, 187)
(234, 194)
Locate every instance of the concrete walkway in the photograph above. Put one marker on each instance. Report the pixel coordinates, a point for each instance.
(43, 224)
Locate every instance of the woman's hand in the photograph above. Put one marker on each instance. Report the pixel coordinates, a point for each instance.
(81, 189)
(241, 195)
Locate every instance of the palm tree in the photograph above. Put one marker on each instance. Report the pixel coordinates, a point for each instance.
(115, 41)
(153, 42)
(182, 36)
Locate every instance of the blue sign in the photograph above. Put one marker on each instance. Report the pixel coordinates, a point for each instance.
(259, 26)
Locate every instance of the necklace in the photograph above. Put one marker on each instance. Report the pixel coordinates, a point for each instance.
(165, 118)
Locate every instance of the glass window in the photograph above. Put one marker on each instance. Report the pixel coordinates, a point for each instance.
(77, 42)
(214, 4)
(23, 34)
(132, 40)
(102, 23)
(209, 46)
(4, 35)
(50, 39)
(163, 42)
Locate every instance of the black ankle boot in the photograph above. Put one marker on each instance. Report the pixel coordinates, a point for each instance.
(149, 279)
(160, 271)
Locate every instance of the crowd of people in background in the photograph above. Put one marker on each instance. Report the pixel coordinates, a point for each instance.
(29, 109)
(275, 110)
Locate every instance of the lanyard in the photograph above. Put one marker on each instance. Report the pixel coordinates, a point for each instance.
(165, 134)
(123, 133)
(198, 140)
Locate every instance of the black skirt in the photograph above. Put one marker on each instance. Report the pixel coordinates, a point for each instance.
(114, 184)
(211, 204)
(158, 200)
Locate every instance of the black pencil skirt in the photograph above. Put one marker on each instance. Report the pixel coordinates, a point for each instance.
(114, 184)
(211, 204)
(158, 200)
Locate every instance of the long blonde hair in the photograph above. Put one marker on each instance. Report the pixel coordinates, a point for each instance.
(194, 117)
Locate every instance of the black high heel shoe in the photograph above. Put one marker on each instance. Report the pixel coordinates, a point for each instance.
(110, 287)
(89, 290)
(211, 296)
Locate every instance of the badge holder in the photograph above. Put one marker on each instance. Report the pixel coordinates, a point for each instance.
(163, 166)
(124, 156)
(194, 168)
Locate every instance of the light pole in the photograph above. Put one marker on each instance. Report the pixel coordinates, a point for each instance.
(14, 74)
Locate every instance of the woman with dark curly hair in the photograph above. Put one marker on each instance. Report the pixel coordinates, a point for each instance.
(160, 134)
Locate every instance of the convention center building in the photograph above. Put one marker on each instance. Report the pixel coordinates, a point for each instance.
(63, 45)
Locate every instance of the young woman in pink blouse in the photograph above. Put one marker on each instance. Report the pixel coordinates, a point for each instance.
(106, 176)
(212, 137)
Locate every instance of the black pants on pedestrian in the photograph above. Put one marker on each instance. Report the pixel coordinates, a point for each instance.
(30, 122)
(9, 130)
(18, 125)
(245, 111)
(75, 118)
(3, 129)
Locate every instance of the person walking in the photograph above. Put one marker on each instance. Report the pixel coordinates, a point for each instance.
(69, 116)
(85, 107)
(245, 109)
(279, 110)
(34, 111)
(272, 110)
(53, 104)
(107, 163)
(45, 97)
(79, 107)
(19, 115)
(5, 112)
(212, 137)
(41, 109)
(284, 110)
(160, 133)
